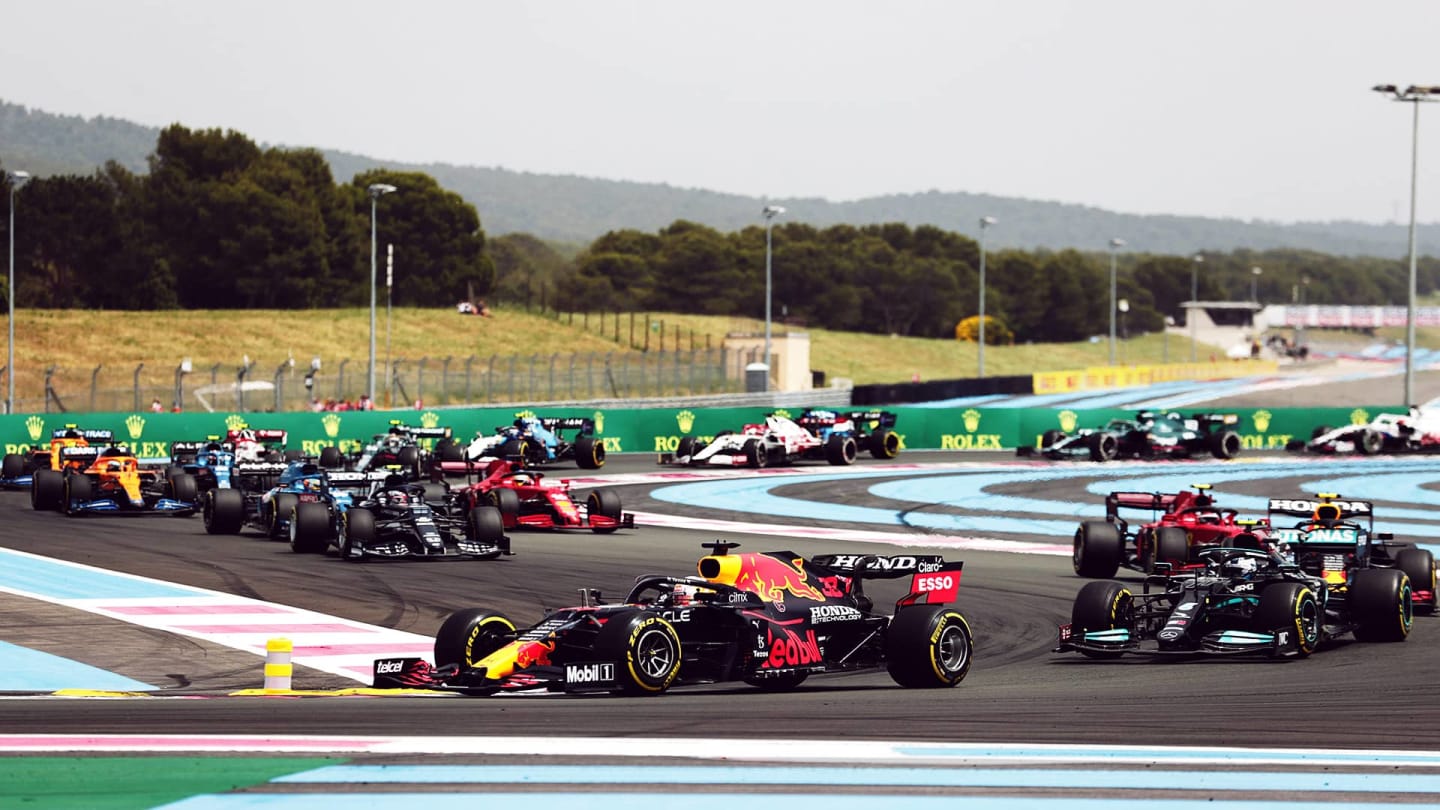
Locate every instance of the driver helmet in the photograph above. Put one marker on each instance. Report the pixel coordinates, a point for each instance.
(113, 466)
(395, 497)
(1240, 566)
(683, 594)
(310, 484)
(522, 479)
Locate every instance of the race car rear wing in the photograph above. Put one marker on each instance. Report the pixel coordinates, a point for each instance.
(83, 454)
(873, 566)
(266, 436)
(584, 424)
(88, 434)
(1324, 509)
(1151, 501)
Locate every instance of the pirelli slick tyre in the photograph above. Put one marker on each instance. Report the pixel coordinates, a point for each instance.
(1099, 549)
(469, 635)
(1104, 446)
(331, 458)
(47, 490)
(1225, 444)
(1050, 438)
(1168, 544)
(884, 444)
(589, 453)
(688, 446)
(507, 501)
(1380, 603)
(78, 489)
(841, 450)
(280, 508)
(184, 488)
(1290, 607)
(1101, 606)
(310, 528)
(223, 511)
(357, 530)
(645, 649)
(484, 524)
(1419, 565)
(1370, 442)
(755, 454)
(604, 502)
(449, 450)
(13, 466)
(928, 647)
(515, 448)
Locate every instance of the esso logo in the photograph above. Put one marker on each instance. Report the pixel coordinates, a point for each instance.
(941, 582)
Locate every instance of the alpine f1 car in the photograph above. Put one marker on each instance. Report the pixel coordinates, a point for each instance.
(527, 501)
(1179, 526)
(1242, 601)
(1149, 435)
(400, 520)
(263, 496)
(873, 431)
(776, 441)
(534, 440)
(17, 470)
(1416, 431)
(768, 619)
(214, 462)
(111, 481)
(1336, 540)
(400, 447)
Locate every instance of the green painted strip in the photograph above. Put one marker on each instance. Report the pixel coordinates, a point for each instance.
(135, 783)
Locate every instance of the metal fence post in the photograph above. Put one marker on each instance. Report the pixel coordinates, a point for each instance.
(94, 384)
(420, 379)
(245, 365)
(444, 380)
(136, 386)
(340, 380)
(468, 361)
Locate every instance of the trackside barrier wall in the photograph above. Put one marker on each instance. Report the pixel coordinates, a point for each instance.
(653, 430)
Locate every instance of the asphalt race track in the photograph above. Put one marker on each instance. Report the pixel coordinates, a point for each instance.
(1347, 695)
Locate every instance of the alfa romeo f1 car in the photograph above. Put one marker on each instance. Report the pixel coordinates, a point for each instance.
(534, 440)
(399, 520)
(768, 619)
(1179, 526)
(527, 501)
(1413, 432)
(1149, 435)
(1242, 601)
(17, 470)
(111, 481)
(776, 441)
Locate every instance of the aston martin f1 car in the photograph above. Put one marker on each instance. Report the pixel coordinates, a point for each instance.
(768, 619)
(1149, 435)
(400, 448)
(1242, 601)
(111, 481)
(527, 501)
(399, 520)
(1179, 526)
(263, 496)
(17, 470)
(776, 441)
(537, 441)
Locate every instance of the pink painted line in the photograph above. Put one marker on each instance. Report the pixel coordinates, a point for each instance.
(182, 610)
(278, 627)
(357, 649)
(54, 742)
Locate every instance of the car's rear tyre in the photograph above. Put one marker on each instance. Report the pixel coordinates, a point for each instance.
(1380, 603)
(467, 636)
(1101, 606)
(1225, 444)
(1104, 446)
(292, 455)
(280, 508)
(47, 490)
(224, 511)
(928, 647)
(687, 446)
(1419, 565)
(645, 649)
(1168, 544)
(1370, 442)
(604, 502)
(331, 458)
(506, 500)
(1320, 430)
(589, 453)
(448, 449)
(884, 444)
(1290, 607)
(1050, 438)
(357, 530)
(515, 448)
(310, 528)
(840, 450)
(13, 465)
(1099, 549)
(755, 455)
(184, 488)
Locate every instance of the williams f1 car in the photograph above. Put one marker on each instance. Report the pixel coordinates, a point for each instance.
(767, 619)
(537, 441)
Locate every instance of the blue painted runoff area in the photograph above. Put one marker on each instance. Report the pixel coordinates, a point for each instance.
(715, 801)
(1133, 779)
(28, 670)
(25, 573)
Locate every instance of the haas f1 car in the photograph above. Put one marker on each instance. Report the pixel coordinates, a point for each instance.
(767, 619)
(775, 442)
(1416, 431)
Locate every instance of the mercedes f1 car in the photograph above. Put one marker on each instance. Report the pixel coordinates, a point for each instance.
(1241, 601)
(111, 481)
(17, 470)
(537, 441)
(776, 441)
(1179, 526)
(768, 619)
(1149, 435)
(527, 501)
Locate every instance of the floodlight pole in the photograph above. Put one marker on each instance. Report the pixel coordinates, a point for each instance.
(985, 222)
(17, 179)
(1194, 299)
(376, 190)
(1115, 244)
(769, 212)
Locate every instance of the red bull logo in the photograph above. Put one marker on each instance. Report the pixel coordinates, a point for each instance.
(767, 576)
(789, 649)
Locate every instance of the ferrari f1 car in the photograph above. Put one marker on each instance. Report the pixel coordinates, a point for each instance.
(1242, 601)
(399, 520)
(1179, 526)
(527, 501)
(1149, 435)
(111, 481)
(17, 470)
(768, 619)
(776, 441)
(537, 441)
(1413, 432)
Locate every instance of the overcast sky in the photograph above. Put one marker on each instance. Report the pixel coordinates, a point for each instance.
(1256, 109)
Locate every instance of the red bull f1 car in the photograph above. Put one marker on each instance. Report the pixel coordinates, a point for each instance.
(770, 620)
